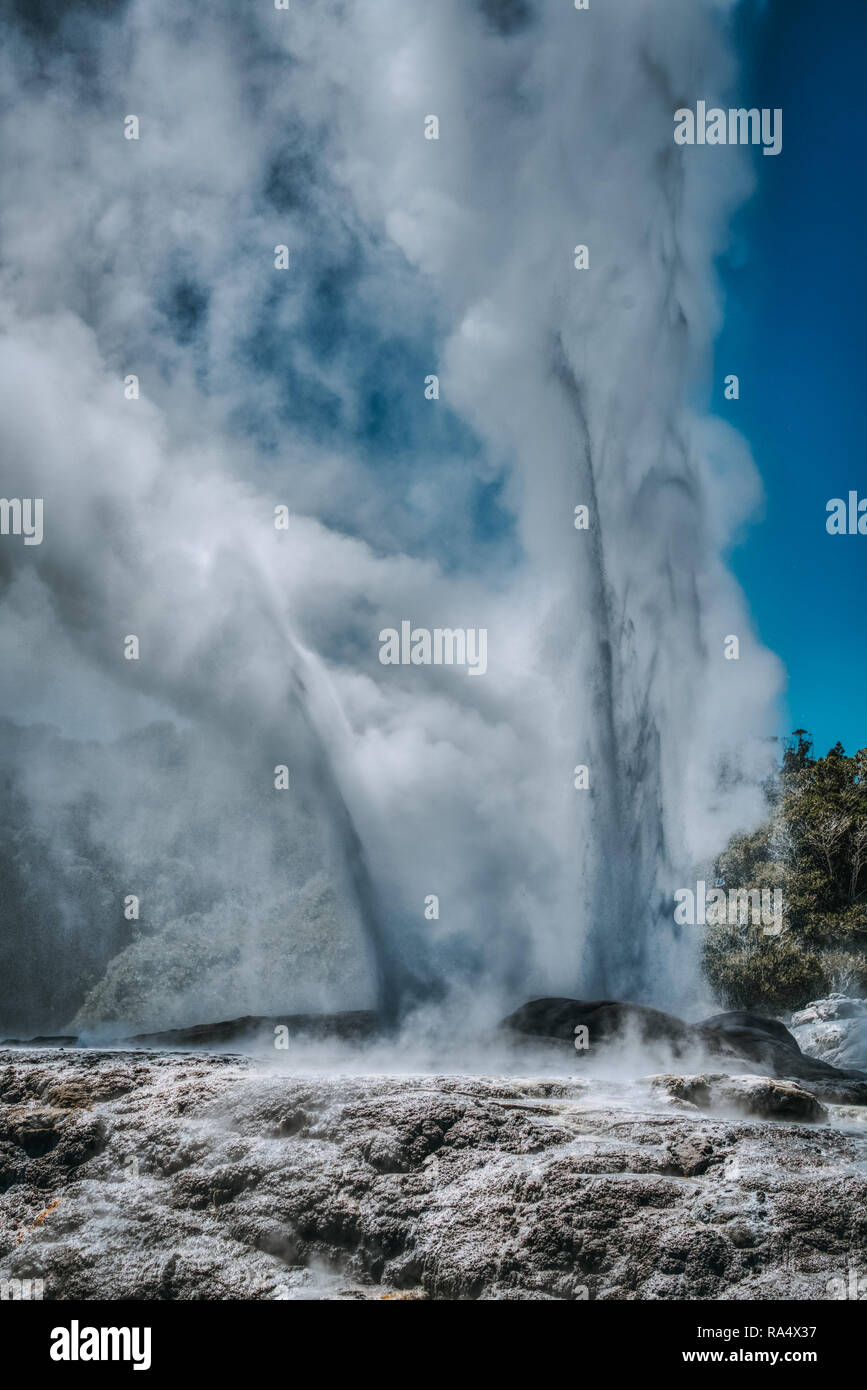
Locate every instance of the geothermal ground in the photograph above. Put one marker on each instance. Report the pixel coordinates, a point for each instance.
(165, 1175)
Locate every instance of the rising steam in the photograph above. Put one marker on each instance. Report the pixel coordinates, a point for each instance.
(305, 387)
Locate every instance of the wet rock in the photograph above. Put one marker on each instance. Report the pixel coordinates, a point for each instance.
(734, 1037)
(188, 1184)
(837, 1091)
(353, 1024)
(748, 1095)
(34, 1130)
(726, 1037)
(605, 1020)
(251, 1030)
(836, 1006)
(736, 1021)
(742, 1235)
(833, 1030)
(37, 1142)
(692, 1156)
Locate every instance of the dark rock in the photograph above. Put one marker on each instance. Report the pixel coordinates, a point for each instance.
(736, 1036)
(353, 1025)
(692, 1156)
(736, 1020)
(36, 1131)
(605, 1020)
(837, 1091)
(780, 1058)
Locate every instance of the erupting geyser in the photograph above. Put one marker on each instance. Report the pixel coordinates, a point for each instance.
(561, 491)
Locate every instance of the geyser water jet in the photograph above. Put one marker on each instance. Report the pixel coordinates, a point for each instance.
(564, 382)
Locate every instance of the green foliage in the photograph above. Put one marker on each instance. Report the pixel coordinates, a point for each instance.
(749, 970)
(814, 847)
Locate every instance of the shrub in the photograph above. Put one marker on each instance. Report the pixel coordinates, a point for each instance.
(749, 971)
(814, 847)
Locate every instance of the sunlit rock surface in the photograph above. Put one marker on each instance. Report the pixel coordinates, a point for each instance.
(142, 1175)
(833, 1029)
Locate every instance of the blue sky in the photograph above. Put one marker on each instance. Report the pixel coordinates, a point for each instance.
(796, 303)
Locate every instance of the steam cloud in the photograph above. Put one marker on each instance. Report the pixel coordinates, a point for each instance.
(305, 387)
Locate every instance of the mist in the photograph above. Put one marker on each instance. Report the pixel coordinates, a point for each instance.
(304, 388)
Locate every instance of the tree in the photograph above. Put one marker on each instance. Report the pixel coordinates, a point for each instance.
(814, 847)
(796, 756)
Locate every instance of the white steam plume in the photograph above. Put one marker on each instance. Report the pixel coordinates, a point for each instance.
(558, 387)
